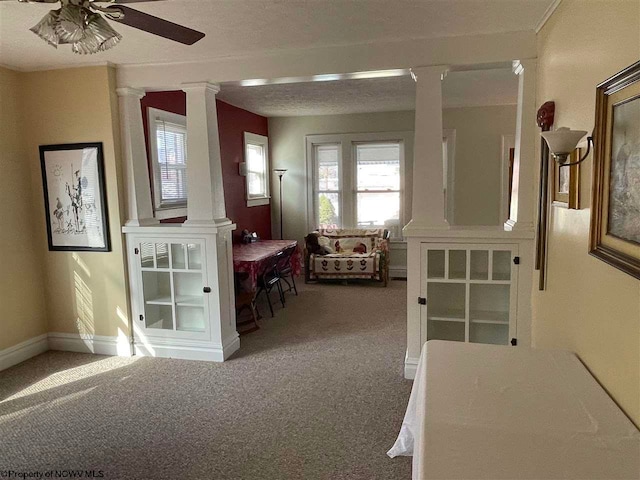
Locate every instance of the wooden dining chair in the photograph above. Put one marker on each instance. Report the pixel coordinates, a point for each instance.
(285, 269)
(269, 279)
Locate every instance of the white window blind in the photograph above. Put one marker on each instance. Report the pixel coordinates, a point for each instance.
(171, 144)
(378, 183)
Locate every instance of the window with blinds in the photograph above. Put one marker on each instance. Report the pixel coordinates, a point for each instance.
(172, 162)
(256, 157)
(168, 138)
(357, 180)
(327, 185)
(378, 183)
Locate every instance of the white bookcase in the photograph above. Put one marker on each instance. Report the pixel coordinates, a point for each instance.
(468, 292)
(181, 304)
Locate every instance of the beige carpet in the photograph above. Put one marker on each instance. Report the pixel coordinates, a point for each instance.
(317, 393)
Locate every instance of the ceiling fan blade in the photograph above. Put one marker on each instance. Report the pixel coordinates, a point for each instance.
(158, 26)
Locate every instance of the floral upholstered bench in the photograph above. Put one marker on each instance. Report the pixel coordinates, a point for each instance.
(345, 254)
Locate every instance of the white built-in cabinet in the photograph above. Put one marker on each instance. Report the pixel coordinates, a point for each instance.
(468, 292)
(467, 284)
(181, 292)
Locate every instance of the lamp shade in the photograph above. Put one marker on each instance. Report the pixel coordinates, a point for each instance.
(563, 140)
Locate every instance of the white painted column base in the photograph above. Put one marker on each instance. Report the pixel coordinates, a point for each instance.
(218, 222)
(410, 367)
(515, 226)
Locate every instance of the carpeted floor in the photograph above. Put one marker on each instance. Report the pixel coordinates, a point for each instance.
(317, 393)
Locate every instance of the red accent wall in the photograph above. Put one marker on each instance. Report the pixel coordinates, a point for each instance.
(232, 123)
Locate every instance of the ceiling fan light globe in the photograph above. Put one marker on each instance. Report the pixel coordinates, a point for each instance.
(71, 24)
(100, 36)
(46, 30)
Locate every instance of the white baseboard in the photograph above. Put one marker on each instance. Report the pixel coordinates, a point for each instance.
(410, 368)
(98, 344)
(397, 272)
(23, 351)
(189, 351)
(231, 345)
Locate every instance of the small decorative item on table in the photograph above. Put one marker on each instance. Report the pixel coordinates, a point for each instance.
(615, 209)
(75, 199)
(249, 237)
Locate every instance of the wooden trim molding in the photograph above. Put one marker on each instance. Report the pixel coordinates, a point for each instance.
(545, 118)
(620, 253)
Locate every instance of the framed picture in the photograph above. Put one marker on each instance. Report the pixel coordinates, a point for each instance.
(566, 183)
(615, 209)
(74, 197)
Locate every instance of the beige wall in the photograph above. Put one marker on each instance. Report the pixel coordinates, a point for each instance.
(22, 315)
(588, 307)
(84, 292)
(479, 132)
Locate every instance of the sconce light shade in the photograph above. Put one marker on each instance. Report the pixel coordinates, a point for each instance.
(562, 142)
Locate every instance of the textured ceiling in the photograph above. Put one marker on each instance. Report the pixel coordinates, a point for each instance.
(239, 27)
(468, 88)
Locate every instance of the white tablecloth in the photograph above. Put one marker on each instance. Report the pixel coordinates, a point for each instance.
(485, 411)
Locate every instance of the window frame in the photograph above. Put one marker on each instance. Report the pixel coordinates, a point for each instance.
(348, 176)
(168, 209)
(356, 190)
(316, 183)
(263, 141)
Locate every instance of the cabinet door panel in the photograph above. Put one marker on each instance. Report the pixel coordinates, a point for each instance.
(470, 292)
(171, 278)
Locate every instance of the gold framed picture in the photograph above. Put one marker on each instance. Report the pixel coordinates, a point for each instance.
(615, 208)
(566, 183)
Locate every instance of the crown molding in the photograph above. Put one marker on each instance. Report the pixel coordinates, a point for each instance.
(547, 14)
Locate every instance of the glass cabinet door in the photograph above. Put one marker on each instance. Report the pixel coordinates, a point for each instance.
(173, 282)
(470, 293)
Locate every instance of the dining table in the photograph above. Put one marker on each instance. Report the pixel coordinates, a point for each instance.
(250, 259)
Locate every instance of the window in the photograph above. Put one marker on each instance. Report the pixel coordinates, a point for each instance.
(256, 157)
(328, 191)
(356, 180)
(378, 184)
(168, 142)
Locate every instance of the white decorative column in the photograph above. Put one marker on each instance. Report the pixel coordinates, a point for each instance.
(428, 206)
(134, 150)
(521, 215)
(206, 208)
(205, 205)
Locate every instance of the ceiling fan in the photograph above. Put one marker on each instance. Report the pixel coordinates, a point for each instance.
(83, 24)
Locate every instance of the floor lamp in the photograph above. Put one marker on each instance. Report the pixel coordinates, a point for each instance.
(280, 173)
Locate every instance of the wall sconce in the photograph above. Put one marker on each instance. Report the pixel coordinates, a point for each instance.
(563, 141)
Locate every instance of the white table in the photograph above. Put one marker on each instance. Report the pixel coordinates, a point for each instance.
(484, 411)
